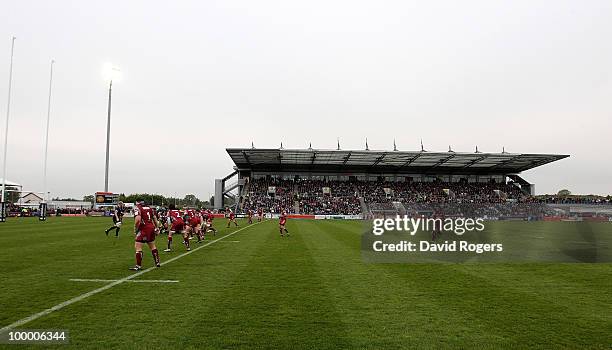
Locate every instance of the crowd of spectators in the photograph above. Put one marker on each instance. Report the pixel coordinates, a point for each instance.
(492, 199)
(327, 197)
(574, 199)
(329, 204)
(258, 196)
(275, 204)
(14, 210)
(383, 207)
(302, 196)
(72, 211)
(440, 192)
(508, 210)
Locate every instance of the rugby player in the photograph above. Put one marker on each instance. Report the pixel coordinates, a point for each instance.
(145, 229)
(209, 222)
(282, 221)
(163, 220)
(259, 214)
(187, 227)
(250, 214)
(231, 218)
(195, 223)
(176, 225)
(117, 219)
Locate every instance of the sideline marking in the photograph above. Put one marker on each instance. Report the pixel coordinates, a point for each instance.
(110, 285)
(132, 281)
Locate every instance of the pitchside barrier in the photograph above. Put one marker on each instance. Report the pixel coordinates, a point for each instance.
(360, 217)
(316, 217)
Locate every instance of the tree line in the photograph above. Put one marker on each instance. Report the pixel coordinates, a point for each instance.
(189, 200)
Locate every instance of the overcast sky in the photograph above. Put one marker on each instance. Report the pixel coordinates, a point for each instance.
(200, 76)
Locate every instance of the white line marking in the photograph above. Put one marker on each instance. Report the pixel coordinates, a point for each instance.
(231, 241)
(132, 281)
(110, 285)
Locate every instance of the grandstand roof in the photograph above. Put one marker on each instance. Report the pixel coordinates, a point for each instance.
(408, 162)
(9, 183)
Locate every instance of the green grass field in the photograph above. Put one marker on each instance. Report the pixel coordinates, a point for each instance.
(254, 289)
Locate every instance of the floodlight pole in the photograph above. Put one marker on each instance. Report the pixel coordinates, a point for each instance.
(108, 122)
(43, 206)
(47, 134)
(8, 112)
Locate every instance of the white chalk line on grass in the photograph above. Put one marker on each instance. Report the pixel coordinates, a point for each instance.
(132, 281)
(110, 285)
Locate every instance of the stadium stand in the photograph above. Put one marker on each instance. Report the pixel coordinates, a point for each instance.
(336, 197)
(372, 183)
(257, 196)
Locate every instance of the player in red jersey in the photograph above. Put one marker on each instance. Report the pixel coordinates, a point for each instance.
(259, 214)
(195, 223)
(282, 221)
(209, 222)
(187, 227)
(177, 225)
(250, 214)
(206, 217)
(145, 228)
(199, 225)
(231, 218)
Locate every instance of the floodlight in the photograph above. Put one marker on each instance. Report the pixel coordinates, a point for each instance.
(111, 72)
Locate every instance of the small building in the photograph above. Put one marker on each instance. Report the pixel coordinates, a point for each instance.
(12, 189)
(29, 199)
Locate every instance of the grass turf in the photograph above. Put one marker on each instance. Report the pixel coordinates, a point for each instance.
(312, 290)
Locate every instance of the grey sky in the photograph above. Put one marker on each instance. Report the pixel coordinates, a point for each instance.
(533, 76)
